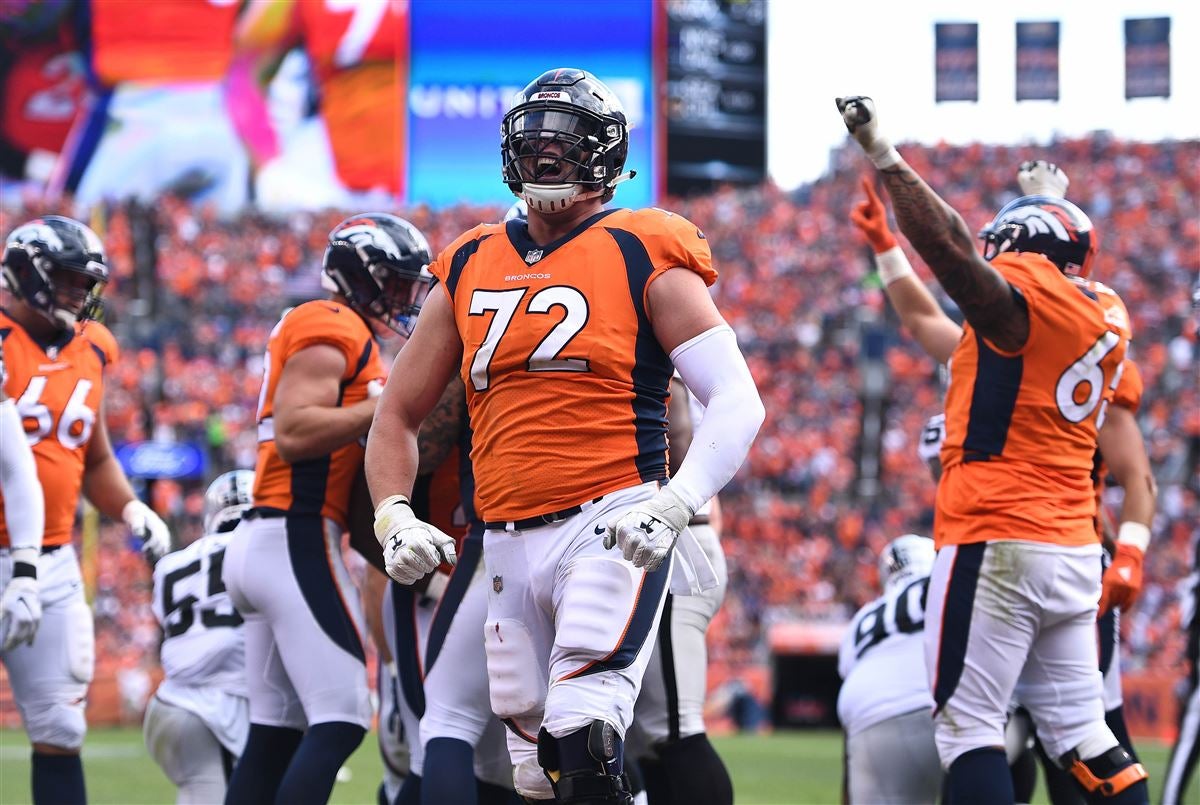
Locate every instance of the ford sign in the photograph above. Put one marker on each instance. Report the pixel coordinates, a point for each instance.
(161, 460)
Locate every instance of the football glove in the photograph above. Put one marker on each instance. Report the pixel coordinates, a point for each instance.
(411, 548)
(870, 216)
(646, 533)
(858, 113)
(20, 606)
(1041, 178)
(1122, 583)
(149, 528)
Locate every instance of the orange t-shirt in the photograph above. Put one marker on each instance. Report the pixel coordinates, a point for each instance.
(162, 40)
(58, 390)
(1021, 427)
(316, 485)
(357, 53)
(567, 386)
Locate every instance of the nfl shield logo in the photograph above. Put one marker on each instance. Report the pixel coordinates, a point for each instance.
(533, 255)
(497, 583)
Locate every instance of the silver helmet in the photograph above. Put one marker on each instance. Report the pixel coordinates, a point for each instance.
(906, 558)
(227, 499)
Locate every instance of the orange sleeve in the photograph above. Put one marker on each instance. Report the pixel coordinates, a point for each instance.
(102, 338)
(1130, 387)
(1022, 271)
(673, 241)
(452, 258)
(326, 323)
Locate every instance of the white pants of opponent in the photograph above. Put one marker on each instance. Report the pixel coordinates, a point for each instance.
(50, 678)
(570, 629)
(894, 761)
(195, 734)
(305, 662)
(1014, 616)
(671, 704)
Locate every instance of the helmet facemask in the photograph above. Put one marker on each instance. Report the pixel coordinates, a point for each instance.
(565, 139)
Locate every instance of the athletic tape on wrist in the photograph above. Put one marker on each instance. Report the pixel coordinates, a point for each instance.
(893, 265)
(1135, 534)
(389, 500)
(886, 157)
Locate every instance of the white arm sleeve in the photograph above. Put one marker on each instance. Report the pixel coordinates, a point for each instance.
(714, 370)
(24, 506)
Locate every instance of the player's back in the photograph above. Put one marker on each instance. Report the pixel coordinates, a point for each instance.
(202, 635)
(566, 382)
(882, 659)
(1021, 427)
(161, 41)
(58, 389)
(319, 485)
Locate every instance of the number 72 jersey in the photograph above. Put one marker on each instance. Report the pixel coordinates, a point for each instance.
(1021, 427)
(58, 389)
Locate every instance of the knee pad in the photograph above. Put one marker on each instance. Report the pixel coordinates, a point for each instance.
(61, 725)
(517, 681)
(586, 766)
(1105, 776)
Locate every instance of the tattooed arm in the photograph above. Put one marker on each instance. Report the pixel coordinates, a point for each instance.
(439, 431)
(941, 237)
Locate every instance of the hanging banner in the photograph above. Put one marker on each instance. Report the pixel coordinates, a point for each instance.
(1037, 61)
(1148, 58)
(956, 61)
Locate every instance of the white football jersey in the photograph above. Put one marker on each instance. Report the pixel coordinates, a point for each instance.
(202, 635)
(932, 437)
(882, 658)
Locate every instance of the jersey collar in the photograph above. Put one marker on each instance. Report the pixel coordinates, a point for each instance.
(530, 252)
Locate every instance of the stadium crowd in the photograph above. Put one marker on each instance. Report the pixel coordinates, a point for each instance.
(795, 284)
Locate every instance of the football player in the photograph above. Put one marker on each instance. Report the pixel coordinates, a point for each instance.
(322, 378)
(678, 763)
(196, 722)
(25, 516)
(355, 145)
(1186, 751)
(1017, 577)
(1119, 438)
(884, 702)
(55, 356)
(564, 331)
(160, 117)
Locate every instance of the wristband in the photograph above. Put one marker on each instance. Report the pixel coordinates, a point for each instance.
(884, 155)
(389, 500)
(24, 570)
(1134, 534)
(893, 265)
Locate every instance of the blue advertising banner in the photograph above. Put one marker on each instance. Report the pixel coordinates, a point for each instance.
(469, 57)
(956, 61)
(1037, 61)
(161, 460)
(1148, 58)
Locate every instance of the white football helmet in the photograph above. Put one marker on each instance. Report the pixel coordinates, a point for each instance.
(906, 558)
(227, 499)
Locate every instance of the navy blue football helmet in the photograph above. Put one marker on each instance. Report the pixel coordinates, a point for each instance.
(56, 266)
(1052, 227)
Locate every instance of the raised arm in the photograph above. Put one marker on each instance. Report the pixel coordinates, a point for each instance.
(919, 312)
(940, 236)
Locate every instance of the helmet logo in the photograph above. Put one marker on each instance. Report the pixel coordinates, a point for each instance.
(363, 236)
(1041, 221)
(533, 255)
(38, 231)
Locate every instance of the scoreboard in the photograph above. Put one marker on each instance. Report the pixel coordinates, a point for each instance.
(716, 104)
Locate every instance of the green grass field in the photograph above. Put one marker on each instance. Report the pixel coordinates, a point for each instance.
(786, 767)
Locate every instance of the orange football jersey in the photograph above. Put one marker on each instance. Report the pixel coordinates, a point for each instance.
(567, 386)
(58, 389)
(317, 485)
(357, 52)
(163, 40)
(1021, 427)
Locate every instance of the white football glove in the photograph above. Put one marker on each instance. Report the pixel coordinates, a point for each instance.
(858, 113)
(149, 528)
(1041, 178)
(647, 532)
(20, 606)
(411, 548)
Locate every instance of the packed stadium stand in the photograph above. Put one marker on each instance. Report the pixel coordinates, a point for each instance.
(795, 284)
